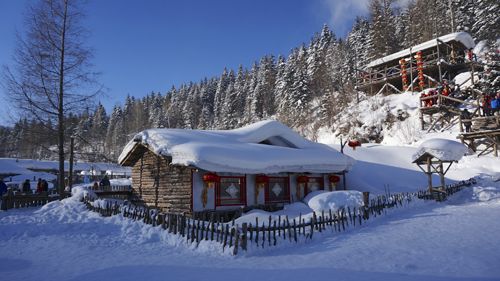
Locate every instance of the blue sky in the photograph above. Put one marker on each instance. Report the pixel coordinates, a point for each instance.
(144, 46)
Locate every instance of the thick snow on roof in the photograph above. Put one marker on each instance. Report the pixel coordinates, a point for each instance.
(240, 151)
(442, 149)
(462, 37)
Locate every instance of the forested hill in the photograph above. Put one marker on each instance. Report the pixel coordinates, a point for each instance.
(304, 90)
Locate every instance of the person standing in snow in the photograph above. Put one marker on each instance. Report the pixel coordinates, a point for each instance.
(495, 104)
(45, 186)
(26, 187)
(39, 188)
(466, 117)
(3, 188)
(105, 181)
(486, 104)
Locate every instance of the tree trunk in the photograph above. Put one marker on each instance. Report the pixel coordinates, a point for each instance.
(60, 116)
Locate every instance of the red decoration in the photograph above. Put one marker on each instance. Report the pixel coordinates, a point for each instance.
(302, 179)
(404, 76)
(354, 143)
(334, 178)
(210, 177)
(420, 70)
(261, 179)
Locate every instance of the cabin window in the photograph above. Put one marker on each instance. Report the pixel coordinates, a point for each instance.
(313, 184)
(277, 190)
(231, 191)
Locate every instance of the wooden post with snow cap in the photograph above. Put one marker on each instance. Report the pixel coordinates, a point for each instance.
(429, 174)
(366, 203)
(366, 198)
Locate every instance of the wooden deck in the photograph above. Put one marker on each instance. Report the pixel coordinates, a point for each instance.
(484, 142)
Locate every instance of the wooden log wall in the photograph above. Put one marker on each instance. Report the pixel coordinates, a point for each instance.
(157, 184)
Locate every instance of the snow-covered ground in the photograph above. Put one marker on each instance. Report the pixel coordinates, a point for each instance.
(452, 240)
(455, 240)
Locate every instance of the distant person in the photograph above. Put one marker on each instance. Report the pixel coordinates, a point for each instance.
(26, 187)
(3, 188)
(495, 104)
(105, 181)
(486, 104)
(39, 188)
(95, 186)
(45, 186)
(466, 117)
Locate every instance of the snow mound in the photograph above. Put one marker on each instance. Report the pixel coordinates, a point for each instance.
(320, 201)
(484, 194)
(442, 149)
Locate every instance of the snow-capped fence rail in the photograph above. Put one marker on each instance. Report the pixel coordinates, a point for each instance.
(235, 237)
(12, 200)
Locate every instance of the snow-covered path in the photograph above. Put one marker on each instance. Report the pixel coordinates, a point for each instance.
(455, 240)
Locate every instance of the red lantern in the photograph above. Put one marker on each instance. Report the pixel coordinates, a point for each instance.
(261, 179)
(210, 178)
(334, 179)
(354, 143)
(302, 179)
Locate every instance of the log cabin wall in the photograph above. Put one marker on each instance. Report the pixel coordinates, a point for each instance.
(157, 184)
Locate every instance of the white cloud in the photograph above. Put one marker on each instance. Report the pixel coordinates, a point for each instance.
(343, 12)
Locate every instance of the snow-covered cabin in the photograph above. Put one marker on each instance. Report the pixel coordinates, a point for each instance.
(265, 163)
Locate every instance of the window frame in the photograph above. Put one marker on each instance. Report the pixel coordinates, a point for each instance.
(267, 190)
(243, 192)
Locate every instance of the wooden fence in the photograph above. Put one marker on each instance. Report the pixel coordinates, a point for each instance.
(234, 237)
(12, 200)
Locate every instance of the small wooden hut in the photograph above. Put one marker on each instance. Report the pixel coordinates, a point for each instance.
(435, 156)
(193, 171)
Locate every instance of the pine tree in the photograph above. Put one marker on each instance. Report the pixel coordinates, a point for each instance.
(487, 24)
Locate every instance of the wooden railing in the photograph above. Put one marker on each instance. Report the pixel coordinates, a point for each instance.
(13, 199)
(16, 199)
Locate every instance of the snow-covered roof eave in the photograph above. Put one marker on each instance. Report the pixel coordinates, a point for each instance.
(239, 150)
(462, 37)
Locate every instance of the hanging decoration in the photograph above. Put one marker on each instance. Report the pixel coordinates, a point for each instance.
(353, 144)
(210, 179)
(420, 69)
(334, 180)
(301, 180)
(404, 74)
(260, 181)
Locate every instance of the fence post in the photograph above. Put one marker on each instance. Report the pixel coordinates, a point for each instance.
(244, 236)
(236, 240)
(366, 204)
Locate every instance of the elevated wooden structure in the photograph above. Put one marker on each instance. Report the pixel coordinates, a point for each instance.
(442, 57)
(444, 111)
(484, 141)
(483, 134)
